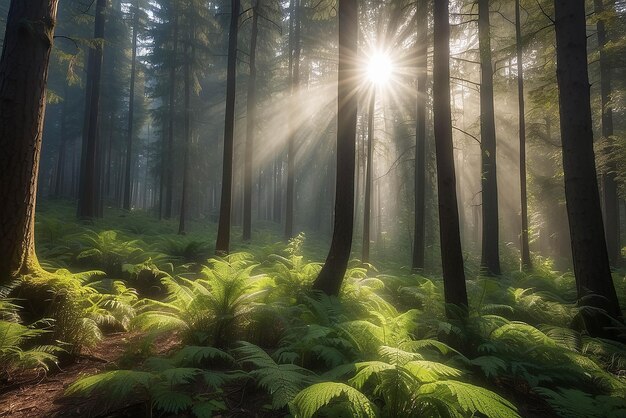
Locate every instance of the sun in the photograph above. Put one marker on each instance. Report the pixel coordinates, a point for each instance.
(379, 68)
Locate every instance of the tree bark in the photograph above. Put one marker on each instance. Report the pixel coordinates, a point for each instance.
(291, 145)
(250, 127)
(189, 58)
(591, 263)
(451, 254)
(420, 135)
(332, 274)
(609, 183)
(170, 121)
(222, 244)
(23, 78)
(89, 195)
(131, 111)
(525, 261)
(490, 261)
(369, 167)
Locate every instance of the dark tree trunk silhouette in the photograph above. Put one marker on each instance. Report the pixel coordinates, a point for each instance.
(369, 167)
(189, 58)
(222, 244)
(451, 254)
(525, 262)
(131, 112)
(490, 260)
(420, 135)
(89, 194)
(170, 121)
(23, 79)
(59, 180)
(291, 145)
(609, 184)
(250, 127)
(591, 263)
(330, 278)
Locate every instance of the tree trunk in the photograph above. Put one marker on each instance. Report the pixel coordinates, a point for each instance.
(131, 111)
(291, 146)
(367, 211)
(60, 171)
(330, 278)
(170, 122)
(250, 127)
(189, 58)
(23, 78)
(591, 262)
(451, 254)
(222, 244)
(88, 204)
(526, 264)
(609, 184)
(490, 261)
(420, 135)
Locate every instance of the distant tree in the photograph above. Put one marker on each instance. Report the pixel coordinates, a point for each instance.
(420, 135)
(490, 260)
(609, 183)
(332, 274)
(591, 263)
(525, 249)
(89, 193)
(250, 125)
(369, 169)
(23, 77)
(131, 111)
(223, 232)
(451, 254)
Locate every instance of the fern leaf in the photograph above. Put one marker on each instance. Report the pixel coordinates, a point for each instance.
(315, 397)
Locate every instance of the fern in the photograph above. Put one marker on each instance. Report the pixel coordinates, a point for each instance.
(322, 395)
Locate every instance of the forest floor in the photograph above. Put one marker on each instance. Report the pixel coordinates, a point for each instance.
(42, 395)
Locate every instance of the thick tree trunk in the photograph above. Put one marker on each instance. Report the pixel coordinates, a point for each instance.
(89, 195)
(490, 261)
(369, 167)
(131, 112)
(222, 244)
(291, 145)
(451, 254)
(330, 278)
(609, 184)
(169, 202)
(250, 127)
(23, 78)
(525, 263)
(420, 135)
(591, 262)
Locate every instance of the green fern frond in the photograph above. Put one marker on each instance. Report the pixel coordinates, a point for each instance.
(316, 397)
(468, 399)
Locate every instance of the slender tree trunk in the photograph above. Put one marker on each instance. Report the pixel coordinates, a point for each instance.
(222, 244)
(330, 278)
(490, 261)
(131, 111)
(170, 121)
(291, 146)
(250, 127)
(420, 135)
(23, 79)
(88, 204)
(60, 171)
(368, 178)
(526, 264)
(591, 261)
(609, 184)
(451, 254)
(189, 58)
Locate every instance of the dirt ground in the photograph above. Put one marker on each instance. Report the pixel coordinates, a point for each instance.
(31, 396)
